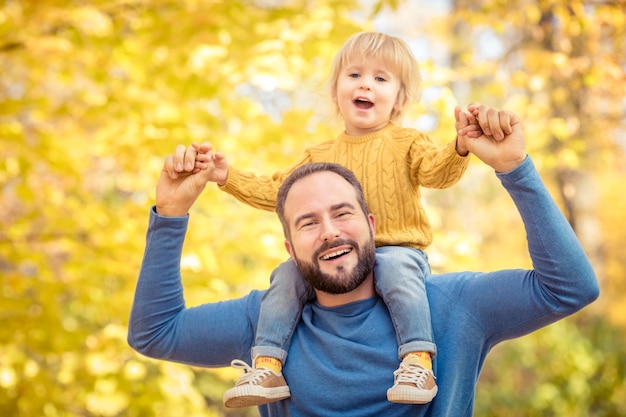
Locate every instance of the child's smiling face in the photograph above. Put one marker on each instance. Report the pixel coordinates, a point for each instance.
(367, 92)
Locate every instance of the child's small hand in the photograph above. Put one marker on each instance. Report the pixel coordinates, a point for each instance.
(501, 143)
(202, 158)
(466, 126)
(495, 124)
(214, 161)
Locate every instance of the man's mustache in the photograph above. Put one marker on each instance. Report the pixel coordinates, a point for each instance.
(334, 244)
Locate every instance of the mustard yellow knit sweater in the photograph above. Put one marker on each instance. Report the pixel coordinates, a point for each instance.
(391, 164)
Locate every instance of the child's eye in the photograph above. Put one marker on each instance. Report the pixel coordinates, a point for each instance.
(380, 79)
(353, 75)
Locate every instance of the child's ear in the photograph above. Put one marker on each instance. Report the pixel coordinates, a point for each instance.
(401, 100)
(399, 105)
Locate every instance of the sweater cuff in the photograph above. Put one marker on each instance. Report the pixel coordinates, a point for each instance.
(454, 159)
(457, 159)
(232, 181)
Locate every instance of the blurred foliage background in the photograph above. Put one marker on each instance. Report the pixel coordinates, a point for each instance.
(94, 94)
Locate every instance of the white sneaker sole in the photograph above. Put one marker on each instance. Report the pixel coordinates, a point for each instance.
(253, 395)
(406, 394)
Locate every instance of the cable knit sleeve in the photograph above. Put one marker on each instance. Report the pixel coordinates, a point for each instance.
(435, 167)
(258, 191)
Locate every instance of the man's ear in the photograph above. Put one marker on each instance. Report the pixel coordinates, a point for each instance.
(289, 248)
(372, 221)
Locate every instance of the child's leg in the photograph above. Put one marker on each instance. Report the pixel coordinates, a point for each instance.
(280, 311)
(399, 276)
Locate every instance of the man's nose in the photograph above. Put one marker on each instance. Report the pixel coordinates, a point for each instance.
(329, 231)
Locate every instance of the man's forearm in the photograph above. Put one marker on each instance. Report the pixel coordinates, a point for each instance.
(159, 294)
(558, 258)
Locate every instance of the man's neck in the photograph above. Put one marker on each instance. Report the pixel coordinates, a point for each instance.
(362, 292)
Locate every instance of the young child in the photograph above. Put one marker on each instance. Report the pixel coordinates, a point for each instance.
(373, 79)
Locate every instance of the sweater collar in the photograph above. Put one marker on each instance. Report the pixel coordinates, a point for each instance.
(344, 137)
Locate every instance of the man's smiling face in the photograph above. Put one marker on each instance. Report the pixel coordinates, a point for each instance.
(330, 237)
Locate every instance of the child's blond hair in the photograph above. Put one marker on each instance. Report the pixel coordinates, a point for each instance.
(391, 50)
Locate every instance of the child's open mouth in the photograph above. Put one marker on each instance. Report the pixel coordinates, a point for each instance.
(363, 104)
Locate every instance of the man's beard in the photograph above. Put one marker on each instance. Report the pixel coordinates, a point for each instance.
(342, 281)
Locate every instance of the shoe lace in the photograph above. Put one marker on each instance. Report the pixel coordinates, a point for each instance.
(254, 376)
(412, 373)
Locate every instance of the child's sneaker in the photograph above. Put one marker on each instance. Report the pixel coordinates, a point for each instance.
(257, 386)
(413, 383)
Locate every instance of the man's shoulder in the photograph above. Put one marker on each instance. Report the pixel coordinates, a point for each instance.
(450, 287)
(248, 304)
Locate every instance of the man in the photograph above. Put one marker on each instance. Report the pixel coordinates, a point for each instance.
(328, 232)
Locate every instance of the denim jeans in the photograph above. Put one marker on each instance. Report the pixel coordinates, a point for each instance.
(403, 291)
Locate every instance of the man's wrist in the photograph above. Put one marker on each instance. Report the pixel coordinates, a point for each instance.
(165, 211)
(510, 165)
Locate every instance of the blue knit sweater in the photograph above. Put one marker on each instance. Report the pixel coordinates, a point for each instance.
(341, 360)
